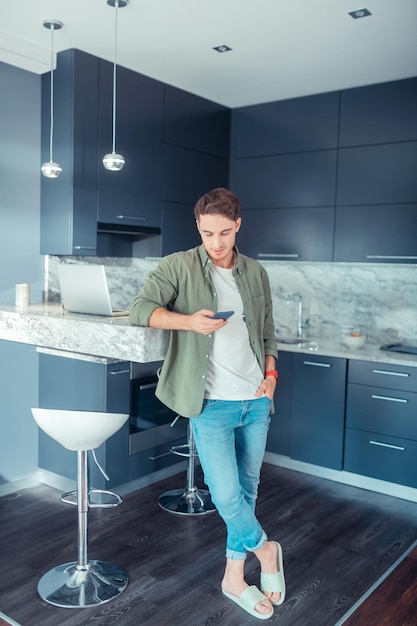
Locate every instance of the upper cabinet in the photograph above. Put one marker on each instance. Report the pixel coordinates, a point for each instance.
(69, 202)
(329, 177)
(176, 147)
(133, 195)
(296, 125)
(283, 168)
(382, 113)
(376, 212)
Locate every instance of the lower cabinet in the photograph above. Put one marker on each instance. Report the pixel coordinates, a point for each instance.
(308, 424)
(318, 410)
(141, 447)
(381, 425)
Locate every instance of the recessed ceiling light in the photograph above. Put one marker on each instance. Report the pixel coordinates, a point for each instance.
(223, 48)
(359, 13)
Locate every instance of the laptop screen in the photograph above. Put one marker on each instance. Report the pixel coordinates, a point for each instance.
(84, 289)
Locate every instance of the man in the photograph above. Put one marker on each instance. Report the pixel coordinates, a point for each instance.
(221, 374)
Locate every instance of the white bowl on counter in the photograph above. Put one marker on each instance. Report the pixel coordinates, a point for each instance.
(355, 340)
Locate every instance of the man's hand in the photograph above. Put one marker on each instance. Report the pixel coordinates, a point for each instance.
(267, 387)
(203, 323)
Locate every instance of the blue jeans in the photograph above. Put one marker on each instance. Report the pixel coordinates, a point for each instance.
(230, 437)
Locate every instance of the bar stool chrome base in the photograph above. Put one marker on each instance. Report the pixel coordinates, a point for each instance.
(188, 501)
(71, 586)
(184, 502)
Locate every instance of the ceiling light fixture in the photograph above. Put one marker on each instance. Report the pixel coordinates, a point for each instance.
(50, 169)
(222, 48)
(113, 161)
(359, 13)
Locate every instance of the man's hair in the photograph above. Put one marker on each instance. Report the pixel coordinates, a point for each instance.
(218, 201)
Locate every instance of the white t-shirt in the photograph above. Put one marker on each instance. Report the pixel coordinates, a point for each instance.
(234, 372)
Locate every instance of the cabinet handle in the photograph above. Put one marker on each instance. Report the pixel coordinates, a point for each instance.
(120, 372)
(391, 373)
(159, 456)
(278, 255)
(393, 257)
(376, 397)
(316, 364)
(386, 445)
(85, 248)
(147, 386)
(131, 217)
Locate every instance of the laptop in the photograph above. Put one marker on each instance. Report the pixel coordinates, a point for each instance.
(84, 289)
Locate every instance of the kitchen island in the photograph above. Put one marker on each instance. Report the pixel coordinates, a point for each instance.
(112, 344)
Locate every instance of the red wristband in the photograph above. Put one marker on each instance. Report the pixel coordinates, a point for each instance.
(273, 373)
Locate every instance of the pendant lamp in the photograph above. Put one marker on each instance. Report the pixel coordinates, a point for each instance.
(113, 161)
(50, 168)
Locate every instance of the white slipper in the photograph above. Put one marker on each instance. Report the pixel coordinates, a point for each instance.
(275, 583)
(248, 599)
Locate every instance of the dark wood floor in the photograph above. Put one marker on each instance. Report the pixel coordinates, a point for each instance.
(337, 540)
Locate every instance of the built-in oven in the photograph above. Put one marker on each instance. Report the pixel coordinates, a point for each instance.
(152, 424)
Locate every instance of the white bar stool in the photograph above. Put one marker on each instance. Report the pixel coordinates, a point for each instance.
(82, 583)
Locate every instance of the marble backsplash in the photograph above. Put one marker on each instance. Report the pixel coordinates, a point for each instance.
(379, 299)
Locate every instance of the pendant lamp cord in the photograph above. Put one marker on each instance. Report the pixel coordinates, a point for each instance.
(51, 127)
(116, 5)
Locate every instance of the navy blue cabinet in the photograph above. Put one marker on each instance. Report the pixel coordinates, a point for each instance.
(305, 179)
(297, 234)
(378, 174)
(196, 123)
(196, 147)
(280, 426)
(85, 385)
(296, 125)
(189, 174)
(381, 233)
(196, 160)
(382, 113)
(178, 227)
(318, 410)
(381, 432)
(133, 195)
(69, 203)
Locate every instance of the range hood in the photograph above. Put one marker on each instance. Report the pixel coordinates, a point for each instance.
(136, 230)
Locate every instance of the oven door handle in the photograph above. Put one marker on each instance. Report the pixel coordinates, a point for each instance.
(147, 386)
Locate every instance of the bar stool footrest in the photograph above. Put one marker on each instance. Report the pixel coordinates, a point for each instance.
(71, 498)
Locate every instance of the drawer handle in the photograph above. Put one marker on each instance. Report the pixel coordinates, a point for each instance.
(85, 248)
(391, 373)
(316, 364)
(120, 372)
(269, 255)
(387, 256)
(376, 397)
(131, 217)
(386, 445)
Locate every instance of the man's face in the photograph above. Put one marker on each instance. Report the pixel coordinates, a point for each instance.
(218, 235)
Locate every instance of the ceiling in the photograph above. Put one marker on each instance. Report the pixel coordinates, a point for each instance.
(279, 50)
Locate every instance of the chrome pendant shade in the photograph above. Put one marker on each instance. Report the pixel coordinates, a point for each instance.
(51, 169)
(113, 161)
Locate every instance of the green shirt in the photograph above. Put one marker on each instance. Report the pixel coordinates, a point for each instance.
(182, 283)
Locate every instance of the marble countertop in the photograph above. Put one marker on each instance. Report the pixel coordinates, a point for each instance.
(368, 352)
(47, 326)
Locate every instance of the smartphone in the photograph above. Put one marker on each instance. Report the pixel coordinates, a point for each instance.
(222, 315)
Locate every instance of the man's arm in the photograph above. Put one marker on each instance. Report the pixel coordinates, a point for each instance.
(199, 322)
